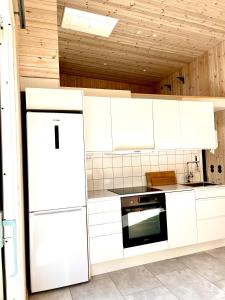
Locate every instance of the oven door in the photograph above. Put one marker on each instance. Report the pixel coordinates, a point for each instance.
(143, 224)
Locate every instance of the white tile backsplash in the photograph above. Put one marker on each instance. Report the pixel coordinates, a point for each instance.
(154, 160)
(98, 184)
(108, 173)
(127, 172)
(117, 161)
(97, 173)
(145, 160)
(107, 162)
(108, 170)
(97, 162)
(117, 172)
(127, 162)
(136, 160)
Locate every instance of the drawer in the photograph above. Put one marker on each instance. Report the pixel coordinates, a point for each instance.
(105, 229)
(105, 248)
(210, 208)
(103, 218)
(211, 229)
(104, 206)
(210, 192)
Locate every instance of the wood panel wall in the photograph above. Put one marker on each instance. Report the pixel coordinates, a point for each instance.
(38, 43)
(86, 82)
(217, 159)
(205, 76)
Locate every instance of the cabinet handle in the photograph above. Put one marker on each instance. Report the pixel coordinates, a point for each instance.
(56, 127)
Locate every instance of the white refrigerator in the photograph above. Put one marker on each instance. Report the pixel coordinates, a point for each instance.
(58, 249)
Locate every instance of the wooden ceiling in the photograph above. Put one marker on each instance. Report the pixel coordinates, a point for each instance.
(185, 29)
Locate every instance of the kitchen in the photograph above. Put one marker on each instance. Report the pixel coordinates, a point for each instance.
(157, 135)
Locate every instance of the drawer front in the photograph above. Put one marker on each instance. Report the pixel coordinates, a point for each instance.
(104, 206)
(104, 218)
(210, 208)
(105, 229)
(210, 193)
(211, 229)
(105, 248)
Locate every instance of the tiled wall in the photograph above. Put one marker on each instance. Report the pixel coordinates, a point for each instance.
(107, 170)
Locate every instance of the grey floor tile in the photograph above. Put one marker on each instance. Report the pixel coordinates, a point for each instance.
(100, 276)
(206, 265)
(165, 266)
(134, 280)
(159, 293)
(218, 253)
(102, 289)
(59, 294)
(188, 285)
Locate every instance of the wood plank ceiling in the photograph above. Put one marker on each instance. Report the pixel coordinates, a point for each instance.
(185, 29)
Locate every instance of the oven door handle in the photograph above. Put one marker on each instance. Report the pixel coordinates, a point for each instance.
(144, 206)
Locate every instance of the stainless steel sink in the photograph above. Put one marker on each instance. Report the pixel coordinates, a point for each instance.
(196, 184)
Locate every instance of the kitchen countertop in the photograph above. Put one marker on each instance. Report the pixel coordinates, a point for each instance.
(98, 195)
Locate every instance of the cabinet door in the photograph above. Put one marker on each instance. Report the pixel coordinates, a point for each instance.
(166, 115)
(132, 124)
(211, 229)
(197, 125)
(105, 248)
(97, 124)
(181, 219)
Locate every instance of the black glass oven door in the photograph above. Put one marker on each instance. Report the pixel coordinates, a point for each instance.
(143, 225)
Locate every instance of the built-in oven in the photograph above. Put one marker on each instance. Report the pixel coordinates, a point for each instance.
(144, 219)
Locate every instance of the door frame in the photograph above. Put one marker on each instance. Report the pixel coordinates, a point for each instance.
(12, 158)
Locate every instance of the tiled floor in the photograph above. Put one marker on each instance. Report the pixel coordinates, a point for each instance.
(199, 276)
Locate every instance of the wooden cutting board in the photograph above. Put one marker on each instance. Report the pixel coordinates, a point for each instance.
(160, 178)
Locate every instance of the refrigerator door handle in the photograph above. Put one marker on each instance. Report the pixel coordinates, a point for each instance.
(56, 211)
(56, 127)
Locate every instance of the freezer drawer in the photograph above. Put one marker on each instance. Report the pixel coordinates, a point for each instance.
(58, 248)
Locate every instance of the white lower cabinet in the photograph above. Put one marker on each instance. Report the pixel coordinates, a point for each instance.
(108, 247)
(210, 215)
(181, 218)
(211, 229)
(105, 230)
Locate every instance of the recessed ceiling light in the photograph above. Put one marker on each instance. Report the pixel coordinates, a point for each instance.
(88, 22)
(139, 31)
(154, 35)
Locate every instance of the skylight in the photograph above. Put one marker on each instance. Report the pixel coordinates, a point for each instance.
(88, 22)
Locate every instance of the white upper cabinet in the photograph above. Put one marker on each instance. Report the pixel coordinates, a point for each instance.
(126, 124)
(97, 124)
(132, 124)
(183, 124)
(167, 131)
(197, 125)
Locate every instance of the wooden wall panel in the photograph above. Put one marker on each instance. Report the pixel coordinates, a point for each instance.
(205, 76)
(86, 82)
(38, 43)
(217, 158)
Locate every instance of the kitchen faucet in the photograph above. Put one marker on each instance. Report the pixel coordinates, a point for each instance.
(189, 173)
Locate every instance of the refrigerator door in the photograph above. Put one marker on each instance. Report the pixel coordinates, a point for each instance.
(56, 163)
(58, 248)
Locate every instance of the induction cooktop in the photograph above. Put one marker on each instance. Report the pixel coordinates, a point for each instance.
(134, 190)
